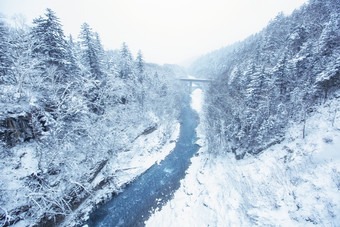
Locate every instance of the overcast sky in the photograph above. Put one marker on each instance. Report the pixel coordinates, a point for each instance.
(167, 31)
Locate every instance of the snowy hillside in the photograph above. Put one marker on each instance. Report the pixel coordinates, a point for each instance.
(77, 122)
(294, 183)
(270, 129)
(272, 78)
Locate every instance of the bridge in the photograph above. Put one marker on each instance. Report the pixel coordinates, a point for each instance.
(191, 81)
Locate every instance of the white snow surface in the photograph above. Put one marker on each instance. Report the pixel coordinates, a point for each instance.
(146, 151)
(122, 168)
(294, 183)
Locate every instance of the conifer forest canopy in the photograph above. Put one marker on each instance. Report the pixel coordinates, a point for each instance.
(79, 123)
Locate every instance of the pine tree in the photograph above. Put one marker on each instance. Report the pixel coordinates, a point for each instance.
(125, 62)
(140, 64)
(100, 52)
(99, 46)
(49, 41)
(281, 77)
(91, 60)
(140, 76)
(73, 65)
(255, 90)
(297, 38)
(90, 51)
(330, 37)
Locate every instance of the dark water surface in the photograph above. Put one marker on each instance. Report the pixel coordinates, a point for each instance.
(156, 186)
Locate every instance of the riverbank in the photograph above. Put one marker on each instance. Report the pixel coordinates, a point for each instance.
(293, 183)
(155, 187)
(99, 178)
(146, 150)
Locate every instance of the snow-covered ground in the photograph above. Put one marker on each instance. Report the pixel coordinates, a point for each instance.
(294, 183)
(145, 151)
(121, 169)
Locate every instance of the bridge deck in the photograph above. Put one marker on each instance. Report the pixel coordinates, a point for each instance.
(196, 80)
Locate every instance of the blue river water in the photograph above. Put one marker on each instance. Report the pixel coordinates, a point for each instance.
(157, 185)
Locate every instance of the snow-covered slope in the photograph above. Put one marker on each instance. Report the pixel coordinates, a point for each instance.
(116, 172)
(294, 183)
(144, 152)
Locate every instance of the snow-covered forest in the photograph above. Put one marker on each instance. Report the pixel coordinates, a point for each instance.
(69, 110)
(79, 124)
(277, 76)
(270, 129)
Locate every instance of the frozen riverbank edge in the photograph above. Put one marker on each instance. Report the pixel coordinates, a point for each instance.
(296, 182)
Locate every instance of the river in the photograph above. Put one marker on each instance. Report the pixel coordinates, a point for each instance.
(156, 186)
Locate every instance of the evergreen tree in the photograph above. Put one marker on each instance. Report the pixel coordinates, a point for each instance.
(254, 90)
(140, 64)
(49, 42)
(141, 86)
(125, 62)
(330, 36)
(281, 77)
(90, 51)
(99, 46)
(296, 39)
(73, 64)
(100, 52)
